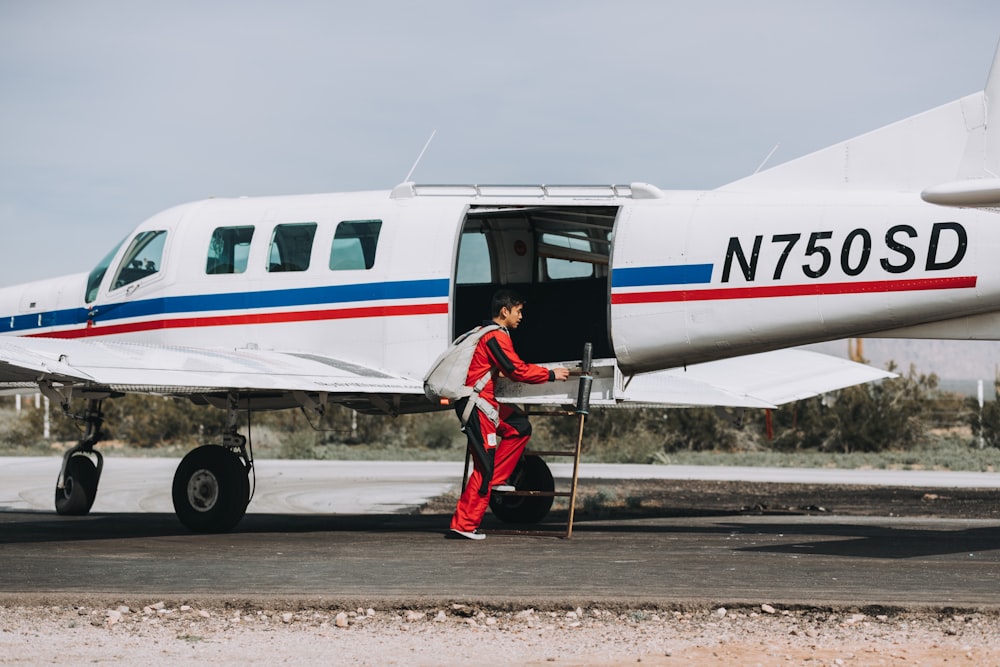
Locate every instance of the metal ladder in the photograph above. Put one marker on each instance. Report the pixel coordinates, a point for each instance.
(580, 412)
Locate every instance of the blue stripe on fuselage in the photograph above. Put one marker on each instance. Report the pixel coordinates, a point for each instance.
(199, 303)
(678, 274)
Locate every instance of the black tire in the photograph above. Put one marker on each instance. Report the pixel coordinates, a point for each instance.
(211, 490)
(79, 490)
(531, 474)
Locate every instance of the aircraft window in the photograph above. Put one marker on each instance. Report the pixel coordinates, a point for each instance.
(97, 275)
(141, 259)
(228, 250)
(354, 244)
(474, 266)
(291, 247)
(559, 268)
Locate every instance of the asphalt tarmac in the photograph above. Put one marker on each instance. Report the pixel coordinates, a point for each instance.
(373, 555)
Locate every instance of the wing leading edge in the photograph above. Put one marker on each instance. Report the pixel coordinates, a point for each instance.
(138, 368)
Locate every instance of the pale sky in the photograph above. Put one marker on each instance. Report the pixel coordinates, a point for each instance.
(113, 110)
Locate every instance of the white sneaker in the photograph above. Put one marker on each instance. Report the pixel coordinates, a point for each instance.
(473, 535)
(504, 487)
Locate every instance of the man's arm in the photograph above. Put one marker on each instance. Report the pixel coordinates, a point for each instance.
(501, 349)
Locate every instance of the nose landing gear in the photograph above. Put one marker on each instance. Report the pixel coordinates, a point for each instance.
(76, 487)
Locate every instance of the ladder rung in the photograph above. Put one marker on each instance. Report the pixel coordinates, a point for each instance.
(541, 494)
(530, 533)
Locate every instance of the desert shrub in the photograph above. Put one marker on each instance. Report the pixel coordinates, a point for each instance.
(150, 421)
(985, 423)
(704, 429)
(435, 431)
(299, 445)
(872, 417)
(140, 421)
(643, 435)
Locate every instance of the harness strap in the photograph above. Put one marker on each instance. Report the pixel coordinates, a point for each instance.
(476, 400)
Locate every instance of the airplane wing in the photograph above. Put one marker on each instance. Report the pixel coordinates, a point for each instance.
(139, 368)
(763, 380)
(754, 381)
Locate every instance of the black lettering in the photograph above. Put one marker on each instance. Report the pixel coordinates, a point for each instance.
(866, 251)
(790, 240)
(909, 257)
(736, 250)
(933, 264)
(824, 253)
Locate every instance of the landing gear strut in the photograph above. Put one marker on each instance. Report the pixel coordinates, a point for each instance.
(76, 487)
(211, 488)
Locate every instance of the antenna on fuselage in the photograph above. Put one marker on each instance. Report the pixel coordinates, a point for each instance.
(419, 157)
(761, 166)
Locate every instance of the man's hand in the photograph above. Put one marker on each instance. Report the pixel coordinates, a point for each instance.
(560, 374)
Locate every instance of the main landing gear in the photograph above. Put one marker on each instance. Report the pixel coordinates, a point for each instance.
(211, 488)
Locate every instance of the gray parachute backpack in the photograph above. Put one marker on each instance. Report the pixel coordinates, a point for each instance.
(445, 381)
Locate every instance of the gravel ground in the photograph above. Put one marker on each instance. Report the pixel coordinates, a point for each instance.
(70, 634)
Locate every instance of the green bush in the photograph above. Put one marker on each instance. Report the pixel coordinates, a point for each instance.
(985, 423)
(891, 414)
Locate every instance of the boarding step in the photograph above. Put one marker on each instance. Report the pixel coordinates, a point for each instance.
(537, 494)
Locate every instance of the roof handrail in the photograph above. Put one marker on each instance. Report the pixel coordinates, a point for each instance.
(410, 189)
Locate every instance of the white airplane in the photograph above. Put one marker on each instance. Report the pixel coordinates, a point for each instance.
(687, 297)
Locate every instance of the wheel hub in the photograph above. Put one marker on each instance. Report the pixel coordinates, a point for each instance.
(203, 490)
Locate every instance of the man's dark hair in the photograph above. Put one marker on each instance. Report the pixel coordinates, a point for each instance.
(505, 298)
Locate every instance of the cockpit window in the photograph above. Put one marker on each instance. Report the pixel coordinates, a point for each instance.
(228, 250)
(291, 247)
(97, 275)
(141, 259)
(354, 245)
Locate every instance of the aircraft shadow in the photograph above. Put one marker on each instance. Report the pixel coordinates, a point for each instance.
(857, 540)
(24, 527)
(881, 541)
(802, 538)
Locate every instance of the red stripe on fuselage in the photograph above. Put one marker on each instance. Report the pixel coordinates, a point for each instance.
(253, 318)
(812, 289)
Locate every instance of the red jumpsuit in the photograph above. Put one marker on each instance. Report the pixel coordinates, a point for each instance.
(494, 353)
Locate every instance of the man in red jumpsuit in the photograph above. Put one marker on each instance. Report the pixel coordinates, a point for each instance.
(496, 445)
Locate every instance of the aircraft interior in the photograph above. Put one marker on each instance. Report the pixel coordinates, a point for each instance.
(557, 258)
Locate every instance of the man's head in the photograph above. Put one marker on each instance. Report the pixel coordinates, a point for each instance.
(506, 308)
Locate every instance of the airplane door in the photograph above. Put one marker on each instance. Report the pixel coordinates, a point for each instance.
(650, 270)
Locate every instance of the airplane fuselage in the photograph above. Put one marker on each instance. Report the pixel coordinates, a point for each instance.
(386, 280)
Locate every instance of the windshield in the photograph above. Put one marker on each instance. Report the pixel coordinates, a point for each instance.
(141, 259)
(97, 275)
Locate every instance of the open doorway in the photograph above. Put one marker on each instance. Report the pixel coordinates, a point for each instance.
(556, 257)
